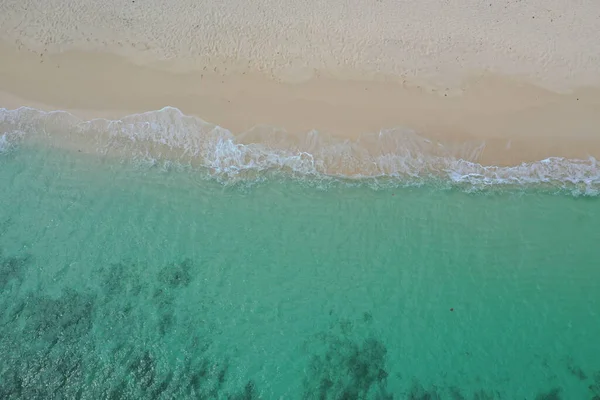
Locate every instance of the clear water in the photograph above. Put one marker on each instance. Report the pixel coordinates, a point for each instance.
(124, 282)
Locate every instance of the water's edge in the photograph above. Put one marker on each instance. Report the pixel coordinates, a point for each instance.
(167, 137)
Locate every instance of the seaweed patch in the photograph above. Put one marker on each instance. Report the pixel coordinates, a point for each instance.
(68, 318)
(552, 394)
(12, 269)
(176, 275)
(418, 392)
(348, 368)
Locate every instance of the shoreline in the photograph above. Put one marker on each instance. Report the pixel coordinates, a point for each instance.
(518, 122)
(373, 160)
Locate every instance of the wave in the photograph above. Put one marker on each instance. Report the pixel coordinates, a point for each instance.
(168, 136)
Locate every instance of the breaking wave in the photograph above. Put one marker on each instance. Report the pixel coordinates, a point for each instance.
(398, 155)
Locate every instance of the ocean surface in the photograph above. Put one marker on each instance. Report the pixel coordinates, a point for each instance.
(138, 261)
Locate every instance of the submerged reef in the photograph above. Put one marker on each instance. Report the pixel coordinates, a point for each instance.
(348, 370)
(85, 344)
(123, 337)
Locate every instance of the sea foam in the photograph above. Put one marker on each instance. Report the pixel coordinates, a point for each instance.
(396, 155)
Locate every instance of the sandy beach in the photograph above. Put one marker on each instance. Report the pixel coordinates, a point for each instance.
(523, 79)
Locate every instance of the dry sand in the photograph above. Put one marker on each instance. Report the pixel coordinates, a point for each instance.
(524, 77)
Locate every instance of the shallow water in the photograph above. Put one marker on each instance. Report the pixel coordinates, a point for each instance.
(167, 137)
(121, 281)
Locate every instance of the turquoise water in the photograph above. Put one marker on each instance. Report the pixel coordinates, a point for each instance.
(121, 281)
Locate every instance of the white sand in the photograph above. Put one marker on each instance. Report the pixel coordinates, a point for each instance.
(555, 43)
(523, 76)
